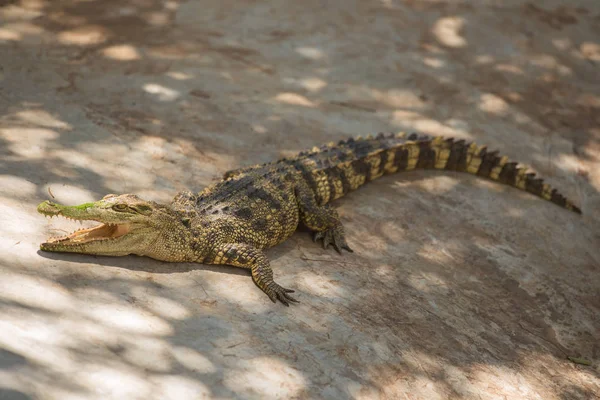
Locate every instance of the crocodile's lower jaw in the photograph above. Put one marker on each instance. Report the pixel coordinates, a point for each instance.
(103, 232)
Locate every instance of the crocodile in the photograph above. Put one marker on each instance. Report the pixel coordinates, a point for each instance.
(254, 208)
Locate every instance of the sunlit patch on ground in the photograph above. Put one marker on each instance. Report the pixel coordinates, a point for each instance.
(121, 52)
(161, 92)
(294, 99)
(84, 36)
(310, 52)
(448, 31)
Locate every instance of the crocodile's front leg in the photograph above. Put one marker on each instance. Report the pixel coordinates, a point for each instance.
(247, 256)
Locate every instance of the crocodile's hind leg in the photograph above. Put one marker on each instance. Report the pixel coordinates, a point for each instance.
(323, 220)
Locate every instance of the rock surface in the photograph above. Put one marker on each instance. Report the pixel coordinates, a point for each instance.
(458, 288)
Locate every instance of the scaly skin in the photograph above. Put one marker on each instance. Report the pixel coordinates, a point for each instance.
(257, 207)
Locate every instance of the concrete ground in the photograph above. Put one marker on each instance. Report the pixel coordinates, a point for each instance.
(459, 288)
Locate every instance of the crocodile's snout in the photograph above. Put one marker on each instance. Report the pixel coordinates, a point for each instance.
(48, 208)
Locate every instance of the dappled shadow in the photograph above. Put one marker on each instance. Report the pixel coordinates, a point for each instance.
(458, 287)
(13, 395)
(141, 263)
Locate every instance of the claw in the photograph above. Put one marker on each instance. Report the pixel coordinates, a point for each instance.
(335, 237)
(280, 293)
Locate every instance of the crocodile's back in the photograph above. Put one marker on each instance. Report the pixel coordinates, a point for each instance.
(256, 204)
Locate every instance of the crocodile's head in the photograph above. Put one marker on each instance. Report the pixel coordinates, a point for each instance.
(128, 225)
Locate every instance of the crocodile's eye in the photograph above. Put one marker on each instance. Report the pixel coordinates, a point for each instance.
(120, 207)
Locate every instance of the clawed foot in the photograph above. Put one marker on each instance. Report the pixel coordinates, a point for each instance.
(276, 292)
(334, 237)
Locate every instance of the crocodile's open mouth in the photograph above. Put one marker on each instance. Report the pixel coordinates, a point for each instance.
(97, 233)
(105, 231)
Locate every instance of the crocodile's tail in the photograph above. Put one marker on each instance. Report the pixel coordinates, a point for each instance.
(334, 170)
